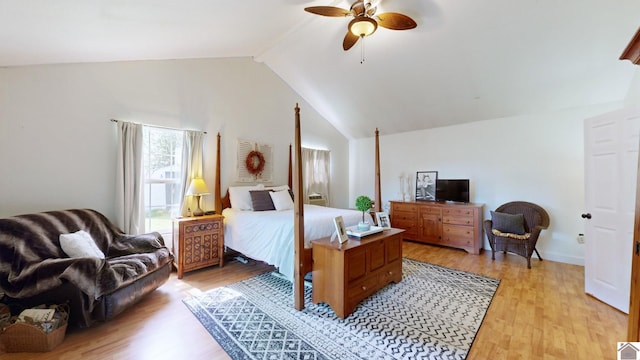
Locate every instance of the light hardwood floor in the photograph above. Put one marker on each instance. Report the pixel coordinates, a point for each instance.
(540, 313)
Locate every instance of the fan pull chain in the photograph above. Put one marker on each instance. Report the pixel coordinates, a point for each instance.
(362, 50)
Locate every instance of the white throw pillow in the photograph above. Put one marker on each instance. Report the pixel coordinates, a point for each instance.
(240, 197)
(80, 244)
(279, 188)
(281, 200)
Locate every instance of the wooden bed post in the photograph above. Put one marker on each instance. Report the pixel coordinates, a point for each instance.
(218, 191)
(298, 224)
(378, 197)
(290, 181)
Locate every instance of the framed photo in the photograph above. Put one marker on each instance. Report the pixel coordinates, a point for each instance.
(426, 185)
(340, 229)
(383, 220)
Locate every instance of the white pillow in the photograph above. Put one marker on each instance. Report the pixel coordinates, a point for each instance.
(80, 244)
(279, 188)
(240, 197)
(281, 200)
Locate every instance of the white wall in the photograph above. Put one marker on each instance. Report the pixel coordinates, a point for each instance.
(536, 158)
(57, 145)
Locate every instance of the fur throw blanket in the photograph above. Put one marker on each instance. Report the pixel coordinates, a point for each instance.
(32, 260)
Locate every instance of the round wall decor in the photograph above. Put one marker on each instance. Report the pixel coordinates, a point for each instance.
(254, 162)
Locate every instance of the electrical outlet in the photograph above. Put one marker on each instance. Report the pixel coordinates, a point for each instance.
(580, 238)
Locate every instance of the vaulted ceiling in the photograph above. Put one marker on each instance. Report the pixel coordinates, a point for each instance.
(467, 60)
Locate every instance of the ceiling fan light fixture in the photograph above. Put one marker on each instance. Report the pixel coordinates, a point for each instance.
(363, 26)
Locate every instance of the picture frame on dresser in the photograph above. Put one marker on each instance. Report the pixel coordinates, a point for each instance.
(382, 219)
(341, 230)
(426, 185)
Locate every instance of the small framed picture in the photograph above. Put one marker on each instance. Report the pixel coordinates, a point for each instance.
(383, 220)
(340, 229)
(426, 185)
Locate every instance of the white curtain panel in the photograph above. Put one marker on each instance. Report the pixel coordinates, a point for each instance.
(129, 212)
(192, 146)
(315, 173)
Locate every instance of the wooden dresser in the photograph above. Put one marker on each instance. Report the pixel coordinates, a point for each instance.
(198, 242)
(344, 274)
(448, 224)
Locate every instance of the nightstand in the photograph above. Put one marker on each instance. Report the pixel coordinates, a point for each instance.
(198, 242)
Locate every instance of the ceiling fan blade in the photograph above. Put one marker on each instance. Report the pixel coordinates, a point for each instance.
(349, 40)
(395, 21)
(328, 11)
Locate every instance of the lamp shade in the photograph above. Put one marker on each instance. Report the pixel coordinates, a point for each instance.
(363, 26)
(197, 187)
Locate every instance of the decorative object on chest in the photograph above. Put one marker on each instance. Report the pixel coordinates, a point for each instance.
(198, 242)
(363, 203)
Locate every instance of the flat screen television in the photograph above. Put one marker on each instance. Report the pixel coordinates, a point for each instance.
(456, 190)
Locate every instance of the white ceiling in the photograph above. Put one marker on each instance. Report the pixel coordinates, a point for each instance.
(467, 60)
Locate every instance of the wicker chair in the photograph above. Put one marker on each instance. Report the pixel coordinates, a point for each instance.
(535, 220)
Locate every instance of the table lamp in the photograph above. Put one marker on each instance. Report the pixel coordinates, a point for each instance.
(198, 188)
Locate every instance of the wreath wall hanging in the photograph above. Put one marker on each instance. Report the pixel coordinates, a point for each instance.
(255, 163)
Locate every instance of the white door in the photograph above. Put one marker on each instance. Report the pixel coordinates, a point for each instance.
(611, 159)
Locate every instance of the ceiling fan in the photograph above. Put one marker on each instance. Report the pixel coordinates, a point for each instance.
(365, 21)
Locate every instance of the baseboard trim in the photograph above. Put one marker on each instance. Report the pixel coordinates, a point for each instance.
(574, 260)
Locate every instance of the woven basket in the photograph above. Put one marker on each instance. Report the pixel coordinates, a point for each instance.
(21, 337)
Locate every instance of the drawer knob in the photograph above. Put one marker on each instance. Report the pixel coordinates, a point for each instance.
(390, 272)
(364, 287)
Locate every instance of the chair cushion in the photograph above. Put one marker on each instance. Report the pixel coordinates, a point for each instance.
(524, 236)
(508, 223)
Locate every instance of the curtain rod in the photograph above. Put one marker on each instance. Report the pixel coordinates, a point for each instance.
(156, 126)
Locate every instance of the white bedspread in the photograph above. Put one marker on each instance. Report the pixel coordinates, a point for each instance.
(268, 235)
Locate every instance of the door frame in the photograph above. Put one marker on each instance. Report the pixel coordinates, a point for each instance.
(633, 328)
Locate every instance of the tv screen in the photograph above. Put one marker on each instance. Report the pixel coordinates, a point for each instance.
(452, 190)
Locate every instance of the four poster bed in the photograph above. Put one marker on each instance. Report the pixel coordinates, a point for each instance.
(270, 235)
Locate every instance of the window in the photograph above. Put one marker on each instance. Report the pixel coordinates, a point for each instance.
(315, 169)
(162, 172)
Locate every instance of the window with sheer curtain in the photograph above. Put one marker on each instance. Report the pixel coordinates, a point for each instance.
(316, 166)
(163, 177)
(154, 168)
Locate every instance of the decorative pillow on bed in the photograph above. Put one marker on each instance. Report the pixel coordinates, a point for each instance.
(279, 188)
(240, 197)
(261, 200)
(80, 244)
(282, 188)
(281, 200)
(508, 223)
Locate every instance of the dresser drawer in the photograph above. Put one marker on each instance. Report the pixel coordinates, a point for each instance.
(457, 211)
(404, 215)
(457, 236)
(361, 289)
(404, 207)
(391, 272)
(431, 210)
(457, 220)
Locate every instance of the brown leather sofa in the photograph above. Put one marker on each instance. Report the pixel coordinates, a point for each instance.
(34, 269)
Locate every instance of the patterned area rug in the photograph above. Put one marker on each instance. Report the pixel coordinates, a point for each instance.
(433, 313)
